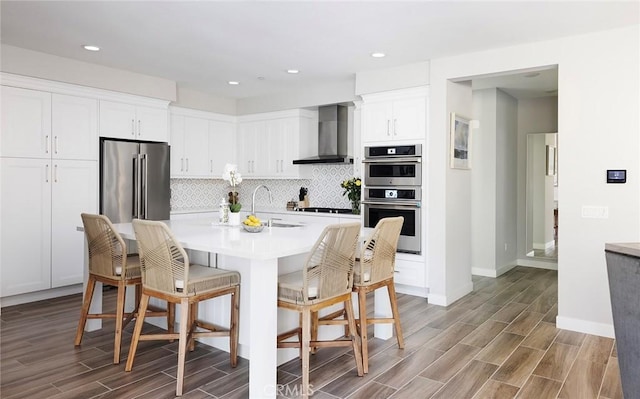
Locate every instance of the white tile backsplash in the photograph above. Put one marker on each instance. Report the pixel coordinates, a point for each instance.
(324, 190)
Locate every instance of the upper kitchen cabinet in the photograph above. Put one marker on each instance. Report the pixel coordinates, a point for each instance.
(26, 123)
(269, 143)
(133, 122)
(399, 115)
(37, 124)
(201, 143)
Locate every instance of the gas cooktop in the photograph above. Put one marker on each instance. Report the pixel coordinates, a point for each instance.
(325, 210)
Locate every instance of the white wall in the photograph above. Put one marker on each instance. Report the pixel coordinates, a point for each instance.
(494, 177)
(506, 181)
(483, 183)
(599, 77)
(46, 66)
(385, 79)
(307, 96)
(189, 98)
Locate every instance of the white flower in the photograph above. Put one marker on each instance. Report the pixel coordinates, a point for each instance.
(231, 174)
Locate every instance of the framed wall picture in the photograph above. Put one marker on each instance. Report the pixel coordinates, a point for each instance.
(460, 132)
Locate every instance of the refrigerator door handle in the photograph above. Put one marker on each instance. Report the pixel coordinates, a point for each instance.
(143, 189)
(136, 186)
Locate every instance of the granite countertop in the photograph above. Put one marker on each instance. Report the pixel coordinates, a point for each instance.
(628, 248)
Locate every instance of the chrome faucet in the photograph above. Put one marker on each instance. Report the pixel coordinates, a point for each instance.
(253, 199)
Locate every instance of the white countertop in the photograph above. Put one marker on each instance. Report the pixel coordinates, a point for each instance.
(627, 248)
(206, 234)
(263, 209)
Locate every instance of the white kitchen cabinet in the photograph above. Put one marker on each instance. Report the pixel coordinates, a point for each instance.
(394, 116)
(222, 146)
(74, 128)
(200, 145)
(74, 190)
(189, 146)
(252, 149)
(133, 122)
(26, 123)
(41, 202)
(269, 143)
(37, 124)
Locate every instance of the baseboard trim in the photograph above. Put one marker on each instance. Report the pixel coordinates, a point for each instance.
(40, 295)
(446, 300)
(485, 272)
(584, 326)
(421, 292)
(540, 264)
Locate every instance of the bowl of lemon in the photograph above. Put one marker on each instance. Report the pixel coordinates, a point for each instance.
(252, 224)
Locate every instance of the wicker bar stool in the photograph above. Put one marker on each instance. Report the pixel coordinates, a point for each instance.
(374, 270)
(110, 264)
(168, 275)
(326, 279)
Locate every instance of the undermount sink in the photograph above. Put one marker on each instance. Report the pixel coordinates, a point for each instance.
(284, 224)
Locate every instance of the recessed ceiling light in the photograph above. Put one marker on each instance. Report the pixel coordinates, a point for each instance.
(378, 55)
(260, 77)
(292, 71)
(233, 82)
(91, 48)
(532, 75)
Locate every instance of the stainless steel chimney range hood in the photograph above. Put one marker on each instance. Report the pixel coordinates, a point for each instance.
(332, 137)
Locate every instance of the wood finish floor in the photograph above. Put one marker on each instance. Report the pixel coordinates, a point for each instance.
(498, 342)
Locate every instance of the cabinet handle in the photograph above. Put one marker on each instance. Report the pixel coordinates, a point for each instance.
(55, 174)
(282, 165)
(139, 133)
(46, 174)
(133, 127)
(187, 164)
(388, 127)
(55, 144)
(211, 167)
(181, 164)
(395, 129)
(46, 144)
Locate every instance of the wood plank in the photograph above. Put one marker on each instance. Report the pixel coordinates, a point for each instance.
(557, 362)
(467, 382)
(517, 368)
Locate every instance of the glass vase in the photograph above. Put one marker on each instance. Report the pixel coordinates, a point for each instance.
(355, 207)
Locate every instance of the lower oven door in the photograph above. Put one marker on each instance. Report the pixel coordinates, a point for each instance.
(409, 240)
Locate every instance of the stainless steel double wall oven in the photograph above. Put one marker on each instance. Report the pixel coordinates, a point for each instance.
(393, 187)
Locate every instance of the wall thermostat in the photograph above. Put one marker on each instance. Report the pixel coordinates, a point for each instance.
(616, 175)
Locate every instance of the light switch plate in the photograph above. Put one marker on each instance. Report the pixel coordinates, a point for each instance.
(595, 212)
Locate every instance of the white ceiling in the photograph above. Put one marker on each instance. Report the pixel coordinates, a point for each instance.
(204, 44)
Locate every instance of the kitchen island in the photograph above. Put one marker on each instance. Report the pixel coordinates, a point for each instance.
(259, 257)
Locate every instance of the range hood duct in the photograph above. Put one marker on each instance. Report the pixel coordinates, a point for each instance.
(332, 136)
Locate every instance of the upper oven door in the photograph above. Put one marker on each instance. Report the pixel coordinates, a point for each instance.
(393, 172)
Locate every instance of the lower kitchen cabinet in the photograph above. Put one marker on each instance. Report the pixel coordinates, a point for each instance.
(41, 202)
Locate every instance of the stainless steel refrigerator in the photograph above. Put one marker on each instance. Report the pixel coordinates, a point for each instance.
(134, 180)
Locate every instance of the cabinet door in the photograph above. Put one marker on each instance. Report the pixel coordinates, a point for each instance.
(117, 120)
(151, 124)
(74, 128)
(74, 190)
(26, 123)
(25, 231)
(409, 119)
(376, 121)
(274, 151)
(288, 147)
(177, 146)
(196, 147)
(221, 147)
(249, 135)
